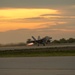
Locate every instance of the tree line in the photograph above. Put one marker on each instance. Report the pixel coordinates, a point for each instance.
(62, 40)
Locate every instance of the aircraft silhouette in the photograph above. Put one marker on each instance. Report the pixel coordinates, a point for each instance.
(39, 41)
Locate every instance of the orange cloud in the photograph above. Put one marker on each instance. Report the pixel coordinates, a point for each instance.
(25, 13)
(13, 26)
(9, 18)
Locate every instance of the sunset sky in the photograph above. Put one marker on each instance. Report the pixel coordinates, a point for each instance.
(48, 17)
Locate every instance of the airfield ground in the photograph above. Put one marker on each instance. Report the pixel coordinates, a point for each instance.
(39, 52)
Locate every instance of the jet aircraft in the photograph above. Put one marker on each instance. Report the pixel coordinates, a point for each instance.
(39, 41)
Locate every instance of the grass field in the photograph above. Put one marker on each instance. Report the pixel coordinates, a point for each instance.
(38, 52)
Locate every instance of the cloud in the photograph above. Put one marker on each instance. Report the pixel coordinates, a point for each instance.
(49, 18)
(57, 25)
(35, 3)
(65, 27)
(35, 18)
(73, 6)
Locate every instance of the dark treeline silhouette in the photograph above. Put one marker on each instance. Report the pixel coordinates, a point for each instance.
(60, 41)
(63, 40)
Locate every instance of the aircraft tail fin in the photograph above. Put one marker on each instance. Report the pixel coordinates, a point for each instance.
(34, 38)
(39, 38)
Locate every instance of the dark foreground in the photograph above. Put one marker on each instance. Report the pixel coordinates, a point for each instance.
(38, 66)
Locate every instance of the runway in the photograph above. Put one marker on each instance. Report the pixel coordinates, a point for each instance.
(34, 47)
(38, 66)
